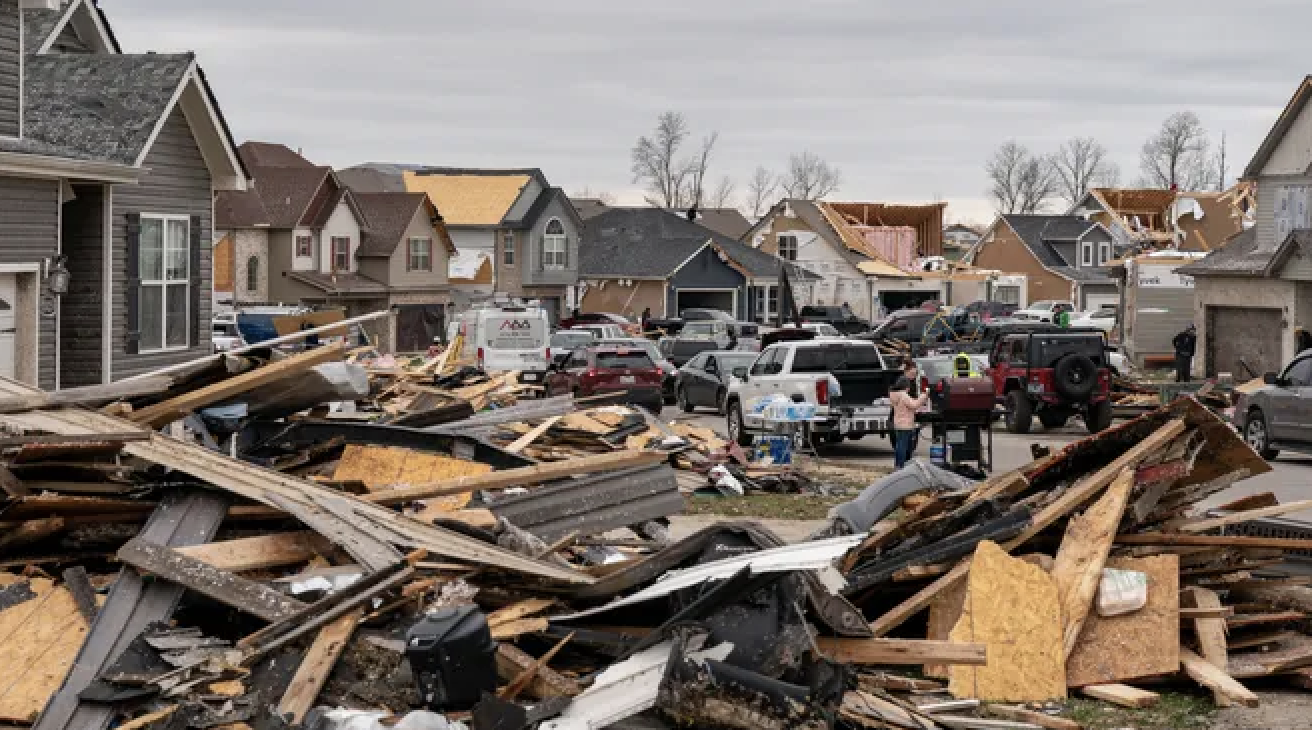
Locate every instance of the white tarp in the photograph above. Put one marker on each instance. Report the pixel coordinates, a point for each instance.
(466, 263)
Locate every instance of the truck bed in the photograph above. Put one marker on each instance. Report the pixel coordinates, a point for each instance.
(864, 387)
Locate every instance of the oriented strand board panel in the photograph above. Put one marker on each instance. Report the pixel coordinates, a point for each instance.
(1012, 607)
(381, 468)
(1145, 643)
(39, 638)
(944, 613)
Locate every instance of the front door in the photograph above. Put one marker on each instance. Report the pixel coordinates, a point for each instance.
(8, 304)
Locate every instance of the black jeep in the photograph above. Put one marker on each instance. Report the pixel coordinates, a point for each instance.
(1055, 374)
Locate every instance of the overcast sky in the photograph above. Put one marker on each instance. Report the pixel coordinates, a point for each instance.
(907, 98)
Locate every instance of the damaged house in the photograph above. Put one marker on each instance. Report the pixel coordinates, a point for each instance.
(109, 162)
(1063, 257)
(1150, 219)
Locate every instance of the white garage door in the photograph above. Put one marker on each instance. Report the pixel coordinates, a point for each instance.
(1098, 301)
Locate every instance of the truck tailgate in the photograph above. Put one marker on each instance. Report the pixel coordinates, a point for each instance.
(863, 387)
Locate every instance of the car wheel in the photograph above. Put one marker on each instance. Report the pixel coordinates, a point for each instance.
(1099, 416)
(655, 407)
(681, 397)
(737, 428)
(1020, 413)
(720, 396)
(1258, 436)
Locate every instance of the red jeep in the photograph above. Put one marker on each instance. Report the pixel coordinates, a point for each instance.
(1055, 374)
(627, 372)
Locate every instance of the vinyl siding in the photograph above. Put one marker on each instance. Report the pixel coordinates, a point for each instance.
(1159, 313)
(397, 277)
(11, 64)
(178, 183)
(533, 273)
(29, 232)
(1005, 252)
(81, 311)
(707, 271)
(1293, 155)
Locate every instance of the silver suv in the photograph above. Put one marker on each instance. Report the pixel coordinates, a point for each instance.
(1279, 414)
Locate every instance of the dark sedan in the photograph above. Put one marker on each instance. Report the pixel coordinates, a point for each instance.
(704, 380)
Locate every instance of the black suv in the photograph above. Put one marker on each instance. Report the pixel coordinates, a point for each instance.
(842, 319)
(1054, 374)
(907, 325)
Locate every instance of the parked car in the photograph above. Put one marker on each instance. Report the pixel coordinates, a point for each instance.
(1103, 319)
(569, 340)
(988, 311)
(224, 333)
(703, 314)
(907, 325)
(823, 330)
(1278, 415)
(704, 336)
(653, 351)
(803, 372)
(1043, 311)
(627, 372)
(618, 320)
(1055, 374)
(841, 318)
(705, 379)
(510, 338)
(603, 331)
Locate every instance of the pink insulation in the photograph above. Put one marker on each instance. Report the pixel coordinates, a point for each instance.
(897, 244)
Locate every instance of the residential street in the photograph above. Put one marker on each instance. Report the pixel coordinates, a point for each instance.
(1289, 480)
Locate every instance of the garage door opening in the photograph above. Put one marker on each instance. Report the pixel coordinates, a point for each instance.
(1243, 341)
(892, 301)
(721, 299)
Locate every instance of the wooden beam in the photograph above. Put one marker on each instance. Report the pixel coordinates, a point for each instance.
(1033, 717)
(315, 667)
(255, 553)
(1236, 518)
(524, 475)
(1123, 695)
(517, 611)
(12, 485)
(1077, 569)
(517, 685)
(1260, 619)
(1210, 630)
(901, 651)
(1073, 498)
(545, 683)
(1163, 538)
(244, 595)
(168, 411)
(1203, 613)
(1216, 679)
(55, 439)
(31, 531)
(90, 395)
(520, 443)
(1286, 597)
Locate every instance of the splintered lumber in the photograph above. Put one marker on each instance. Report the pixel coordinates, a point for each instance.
(512, 629)
(1083, 552)
(12, 485)
(1013, 608)
(1247, 516)
(902, 651)
(1209, 612)
(1260, 619)
(245, 595)
(1144, 643)
(149, 718)
(520, 443)
(89, 395)
(1173, 539)
(1077, 495)
(166, 412)
(315, 667)
(1216, 679)
(517, 685)
(381, 468)
(516, 611)
(39, 639)
(1033, 717)
(31, 531)
(1286, 597)
(1209, 630)
(545, 682)
(1002, 485)
(884, 680)
(521, 476)
(1123, 695)
(261, 551)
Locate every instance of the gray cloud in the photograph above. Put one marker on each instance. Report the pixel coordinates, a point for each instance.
(909, 99)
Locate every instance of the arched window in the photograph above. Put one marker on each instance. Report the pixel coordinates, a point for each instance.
(554, 245)
(253, 274)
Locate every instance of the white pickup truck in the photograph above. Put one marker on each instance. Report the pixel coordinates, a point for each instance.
(1043, 311)
(846, 380)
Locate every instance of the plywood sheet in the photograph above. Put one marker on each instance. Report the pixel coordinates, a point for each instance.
(1145, 643)
(39, 638)
(1012, 607)
(381, 468)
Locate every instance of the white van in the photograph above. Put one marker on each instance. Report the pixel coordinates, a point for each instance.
(510, 338)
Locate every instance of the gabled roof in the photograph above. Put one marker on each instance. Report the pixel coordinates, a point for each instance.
(1129, 201)
(1039, 232)
(372, 178)
(43, 26)
(469, 197)
(239, 209)
(269, 154)
(1286, 120)
(288, 191)
(1236, 257)
(815, 219)
(388, 216)
(589, 207)
(340, 283)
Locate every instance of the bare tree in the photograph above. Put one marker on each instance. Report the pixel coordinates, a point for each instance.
(1022, 181)
(1177, 155)
(694, 190)
(809, 177)
(601, 196)
(720, 196)
(656, 161)
(761, 190)
(1220, 165)
(1080, 164)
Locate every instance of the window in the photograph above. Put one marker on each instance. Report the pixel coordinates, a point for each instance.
(1300, 373)
(788, 248)
(833, 359)
(341, 253)
(553, 245)
(762, 366)
(165, 268)
(1086, 254)
(766, 299)
(772, 300)
(253, 274)
(1104, 253)
(420, 256)
(508, 248)
(625, 359)
(305, 246)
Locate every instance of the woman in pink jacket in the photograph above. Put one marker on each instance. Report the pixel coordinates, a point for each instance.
(904, 417)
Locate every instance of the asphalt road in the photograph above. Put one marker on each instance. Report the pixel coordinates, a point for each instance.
(1290, 478)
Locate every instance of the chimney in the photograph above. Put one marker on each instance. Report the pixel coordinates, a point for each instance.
(11, 68)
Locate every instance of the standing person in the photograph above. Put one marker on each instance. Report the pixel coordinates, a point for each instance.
(911, 372)
(904, 420)
(646, 318)
(1063, 318)
(1185, 343)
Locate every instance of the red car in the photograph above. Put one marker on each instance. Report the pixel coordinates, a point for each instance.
(607, 369)
(600, 318)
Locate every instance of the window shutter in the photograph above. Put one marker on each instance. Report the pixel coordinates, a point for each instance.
(193, 262)
(567, 252)
(132, 285)
(542, 253)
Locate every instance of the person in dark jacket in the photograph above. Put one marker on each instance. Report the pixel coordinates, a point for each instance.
(646, 319)
(1185, 344)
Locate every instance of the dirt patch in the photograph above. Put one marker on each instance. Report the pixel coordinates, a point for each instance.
(775, 506)
(842, 477)
(1280, 710)
(371, 676)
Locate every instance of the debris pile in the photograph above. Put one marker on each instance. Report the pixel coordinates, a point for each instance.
(260, 541)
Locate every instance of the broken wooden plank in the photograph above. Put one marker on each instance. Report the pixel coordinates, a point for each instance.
(261, 551)
(1261, 619)
(886, 681)
(520, 443)
(222, 586)
(954, 722)
(85, 396)
(12, 485)
(1123, 695)
(1216, 679)
(56, 439)
(517, 685)
(1207, 612)
(1077, 569)
(1170, 539)
(1081, 492)
(1257, 640)
(1278, 595)
(545, 683)
(165, 412)
(519, 610)
(148, 719)
(315, 667)
(512, 629)
(902, 651)
(31, 531)
(1246, 516)
(1033, 717)
(1210, 630)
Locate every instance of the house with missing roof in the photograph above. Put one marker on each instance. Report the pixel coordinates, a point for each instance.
(1253, 294)
(1062, 257)
(509, 224)
(633, 259)
(1152, 219)
(861, 253)
(299, 236)
(109, 162)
